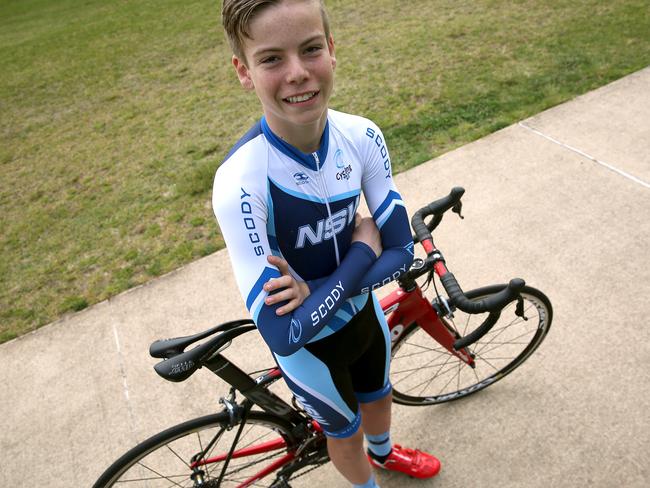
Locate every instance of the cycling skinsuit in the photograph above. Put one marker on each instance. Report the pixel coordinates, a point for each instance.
(270, 198)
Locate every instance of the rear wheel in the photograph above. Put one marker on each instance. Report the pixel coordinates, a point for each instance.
(425, 373)
(164, 460)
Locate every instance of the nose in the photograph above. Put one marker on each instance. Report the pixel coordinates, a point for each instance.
(297, 72)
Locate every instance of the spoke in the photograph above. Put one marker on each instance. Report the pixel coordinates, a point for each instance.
(421, 368)
(426, 348)
(434, 376)
(151, 478)
(213, 444)
(414, 369)
(492, 341)
(496, 345)
(466, 325)
(159, 476)
(497, 358)
(207, 468)
(457, 375)
(492, 338)
(417, 354)
(259, 438)
(406, 371)
(427, 381)
(487, 362)
(180, 458)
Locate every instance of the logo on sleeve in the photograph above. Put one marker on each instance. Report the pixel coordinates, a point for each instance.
(295, 331)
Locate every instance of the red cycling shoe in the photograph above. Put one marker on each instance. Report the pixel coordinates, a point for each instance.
(410, 461)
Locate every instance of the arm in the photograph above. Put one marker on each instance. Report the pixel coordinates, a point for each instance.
(290, 293)
(388, 212)
(397, 243)
(241, 213)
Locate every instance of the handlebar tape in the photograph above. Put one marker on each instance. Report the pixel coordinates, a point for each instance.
(491, 303)
(479, 332)
(436, 208)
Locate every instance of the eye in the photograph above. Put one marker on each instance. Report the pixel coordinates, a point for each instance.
(269, 60)
(316, 48)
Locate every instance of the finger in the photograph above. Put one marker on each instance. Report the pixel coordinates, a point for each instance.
(357, 219)
(279, 263)
(281, 296)
(278, 283)
(288, 308)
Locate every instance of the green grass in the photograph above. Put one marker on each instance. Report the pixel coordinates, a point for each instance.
(115, 115)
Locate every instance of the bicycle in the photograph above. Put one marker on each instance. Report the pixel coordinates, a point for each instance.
(241, 446)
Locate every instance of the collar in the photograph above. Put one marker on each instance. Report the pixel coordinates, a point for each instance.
(306, 159)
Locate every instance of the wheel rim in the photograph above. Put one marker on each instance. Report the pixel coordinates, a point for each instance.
(423, 372)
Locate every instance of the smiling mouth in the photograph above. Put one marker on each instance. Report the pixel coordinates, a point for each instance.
(301, 98)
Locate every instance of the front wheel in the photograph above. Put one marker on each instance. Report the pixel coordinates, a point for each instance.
(165, 459)
(425, 373)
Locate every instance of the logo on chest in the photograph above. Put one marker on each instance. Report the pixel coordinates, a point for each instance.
(326, 228)
(300, 178)
(344, 174)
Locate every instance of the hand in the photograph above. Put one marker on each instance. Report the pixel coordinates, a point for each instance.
(366, 231)
(294, 292)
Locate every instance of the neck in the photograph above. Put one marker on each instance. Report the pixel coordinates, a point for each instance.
(304, 137)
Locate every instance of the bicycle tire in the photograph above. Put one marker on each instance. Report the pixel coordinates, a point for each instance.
(425, 373)
(173, 448)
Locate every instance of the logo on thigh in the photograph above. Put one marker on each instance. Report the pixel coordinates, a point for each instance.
(310, 410)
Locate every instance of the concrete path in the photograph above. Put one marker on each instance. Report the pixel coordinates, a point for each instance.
(561, 199)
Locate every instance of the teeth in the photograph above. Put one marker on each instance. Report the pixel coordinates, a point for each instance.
(301, 98)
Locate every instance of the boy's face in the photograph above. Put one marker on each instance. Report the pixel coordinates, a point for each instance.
(290, 65)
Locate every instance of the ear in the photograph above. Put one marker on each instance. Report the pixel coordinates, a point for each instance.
(330, 47)
(242, 73)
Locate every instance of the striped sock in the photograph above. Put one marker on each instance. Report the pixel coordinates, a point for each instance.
(379, 446)
(371, 483)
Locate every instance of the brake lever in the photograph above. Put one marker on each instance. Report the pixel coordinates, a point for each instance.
(458, 208)
(519, 310)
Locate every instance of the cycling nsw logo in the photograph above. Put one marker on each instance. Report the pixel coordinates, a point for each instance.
(340, 164)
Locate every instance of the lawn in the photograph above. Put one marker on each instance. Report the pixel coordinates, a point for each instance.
(115, 115)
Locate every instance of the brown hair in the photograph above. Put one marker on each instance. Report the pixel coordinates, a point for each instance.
(236, 16)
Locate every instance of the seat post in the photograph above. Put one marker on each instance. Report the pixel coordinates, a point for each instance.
(242, 382)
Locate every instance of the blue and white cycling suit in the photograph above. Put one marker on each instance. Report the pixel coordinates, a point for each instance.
(270, 198)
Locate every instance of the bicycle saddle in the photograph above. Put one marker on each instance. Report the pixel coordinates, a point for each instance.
(178, 364)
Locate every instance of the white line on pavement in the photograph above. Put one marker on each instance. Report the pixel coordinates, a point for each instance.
(596, 160)
(124, 382)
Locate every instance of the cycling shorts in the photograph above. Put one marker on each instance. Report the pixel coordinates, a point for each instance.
(331, 376)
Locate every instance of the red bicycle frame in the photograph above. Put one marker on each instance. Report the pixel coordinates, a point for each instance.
(402, 308)
(406, 307)
(264, 447)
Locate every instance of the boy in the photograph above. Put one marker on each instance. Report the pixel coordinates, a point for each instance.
(286, 199)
